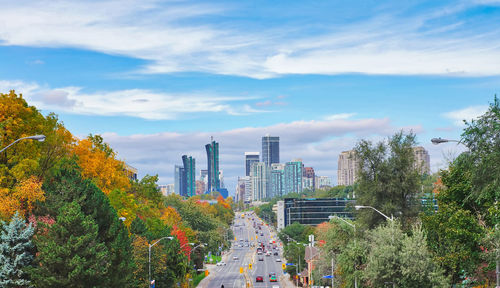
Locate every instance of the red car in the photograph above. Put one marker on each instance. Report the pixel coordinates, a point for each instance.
(259, 279)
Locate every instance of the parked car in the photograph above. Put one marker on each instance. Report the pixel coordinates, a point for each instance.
(259, 279)
(221, 263)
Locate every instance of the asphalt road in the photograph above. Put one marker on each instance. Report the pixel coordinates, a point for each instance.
(229, 275)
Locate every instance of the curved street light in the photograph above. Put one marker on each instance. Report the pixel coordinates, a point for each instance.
(39, 138)
(149, 262)
(354, 227)
(370, 207)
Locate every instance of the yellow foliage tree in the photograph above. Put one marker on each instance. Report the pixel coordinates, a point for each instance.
(99, 164)
(21, 198)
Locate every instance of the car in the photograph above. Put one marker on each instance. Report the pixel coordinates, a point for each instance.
(246, 244)
(235, 258)
(273, 278)
(221, 263)
(268, 253)
(276, 286)
(276, 253)
(261, 258)
(259, 279)
(278, 260)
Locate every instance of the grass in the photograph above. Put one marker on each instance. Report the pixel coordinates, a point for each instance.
(197, 279)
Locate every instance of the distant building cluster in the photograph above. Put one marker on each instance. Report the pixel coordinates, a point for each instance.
(266, 177)
(348, 165)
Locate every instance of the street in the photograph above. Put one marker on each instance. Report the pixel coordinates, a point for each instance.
(242, 254)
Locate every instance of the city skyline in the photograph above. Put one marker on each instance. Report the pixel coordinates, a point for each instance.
(157, 79)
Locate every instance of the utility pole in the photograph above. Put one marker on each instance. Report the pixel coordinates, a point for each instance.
(332, 273)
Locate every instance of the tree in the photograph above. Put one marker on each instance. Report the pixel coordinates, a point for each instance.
(418, 268)
(67, 186)
(388, 179)
(69, 254)
(297, 232)
(15, 252)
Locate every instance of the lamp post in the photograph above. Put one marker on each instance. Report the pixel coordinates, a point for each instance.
(354, 227)
(440, 140)
(194, 248)
(149, 261)
(39, 138)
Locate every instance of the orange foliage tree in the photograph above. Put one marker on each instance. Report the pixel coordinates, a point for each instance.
(99, 164)
(21, 198)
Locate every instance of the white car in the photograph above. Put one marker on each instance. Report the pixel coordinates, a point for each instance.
(221, 263)
(278, 260)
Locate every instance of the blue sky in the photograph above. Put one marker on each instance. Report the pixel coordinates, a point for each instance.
(158, 78)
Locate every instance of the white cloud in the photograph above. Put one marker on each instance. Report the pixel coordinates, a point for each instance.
(318, 143)
(468, 114)
(163, 34)
(141, 103)
(340, 116)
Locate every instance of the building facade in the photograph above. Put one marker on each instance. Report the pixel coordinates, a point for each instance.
(179, 179)
(422, 160)
(213, 166)
(270, 149)
(312, 211)
(347, 168)
(250, 157)
(309, 179)
(189, 175)
(277, 180)
(259, 178)
(200, 187)
(293, 177)
(323, 182)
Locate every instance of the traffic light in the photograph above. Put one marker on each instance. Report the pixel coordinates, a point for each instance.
(283, 265)
(241, 270)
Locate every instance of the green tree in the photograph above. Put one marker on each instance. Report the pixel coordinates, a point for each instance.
(387, 179)
(297, 232)
(15, 252)
(69, 253)
(418, 268)
(65, 186)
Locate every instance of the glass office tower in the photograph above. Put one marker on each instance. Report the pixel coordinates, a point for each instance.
(213, 166)
(270, 150)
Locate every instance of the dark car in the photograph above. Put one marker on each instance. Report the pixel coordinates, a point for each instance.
(259, 279)
(275, 253)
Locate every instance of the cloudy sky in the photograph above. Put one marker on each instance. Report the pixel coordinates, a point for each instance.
(158, 78)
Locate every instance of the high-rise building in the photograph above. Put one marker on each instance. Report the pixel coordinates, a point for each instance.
(270, 149)
(200, 187)
(248, 189)
(293, 176)
(347, 168)
(240, 189)
(422, 160)
(213, 166)
(259, 176)
(179, 179)
(309, 178)
(167, 189)
(323, 182)
(277, 180)
(250, 157)
(190, 175)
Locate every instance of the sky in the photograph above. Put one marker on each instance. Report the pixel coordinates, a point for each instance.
(157, 79)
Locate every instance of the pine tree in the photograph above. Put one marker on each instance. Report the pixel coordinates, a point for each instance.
(69, 254)
(15, 252)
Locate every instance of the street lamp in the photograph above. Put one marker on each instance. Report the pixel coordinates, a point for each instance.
(354, 227)
(370, 207)
(39, 138)
(194, 248)
(151, 245)
(440, 140)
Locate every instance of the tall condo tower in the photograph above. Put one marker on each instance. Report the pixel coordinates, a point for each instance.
(270, 149)
(250, 157)
(190, 175)
(213, 165)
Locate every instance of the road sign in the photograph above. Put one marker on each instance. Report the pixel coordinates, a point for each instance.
(241, 270)
(328, 276)
(250, 266)
(283, 266)
(289, 264)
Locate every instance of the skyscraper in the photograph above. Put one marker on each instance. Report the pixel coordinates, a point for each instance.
(190, 175)
(213, 166)
(250, 157)
(277, 180)
(293, 177)
(179, 180)
(347, 168)
(259, 177)
(422, 160)
(270, 150)
(309, 180)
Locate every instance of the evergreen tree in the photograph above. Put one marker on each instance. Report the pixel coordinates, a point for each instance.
(15, 252)
(66, 185)
(69, 253)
